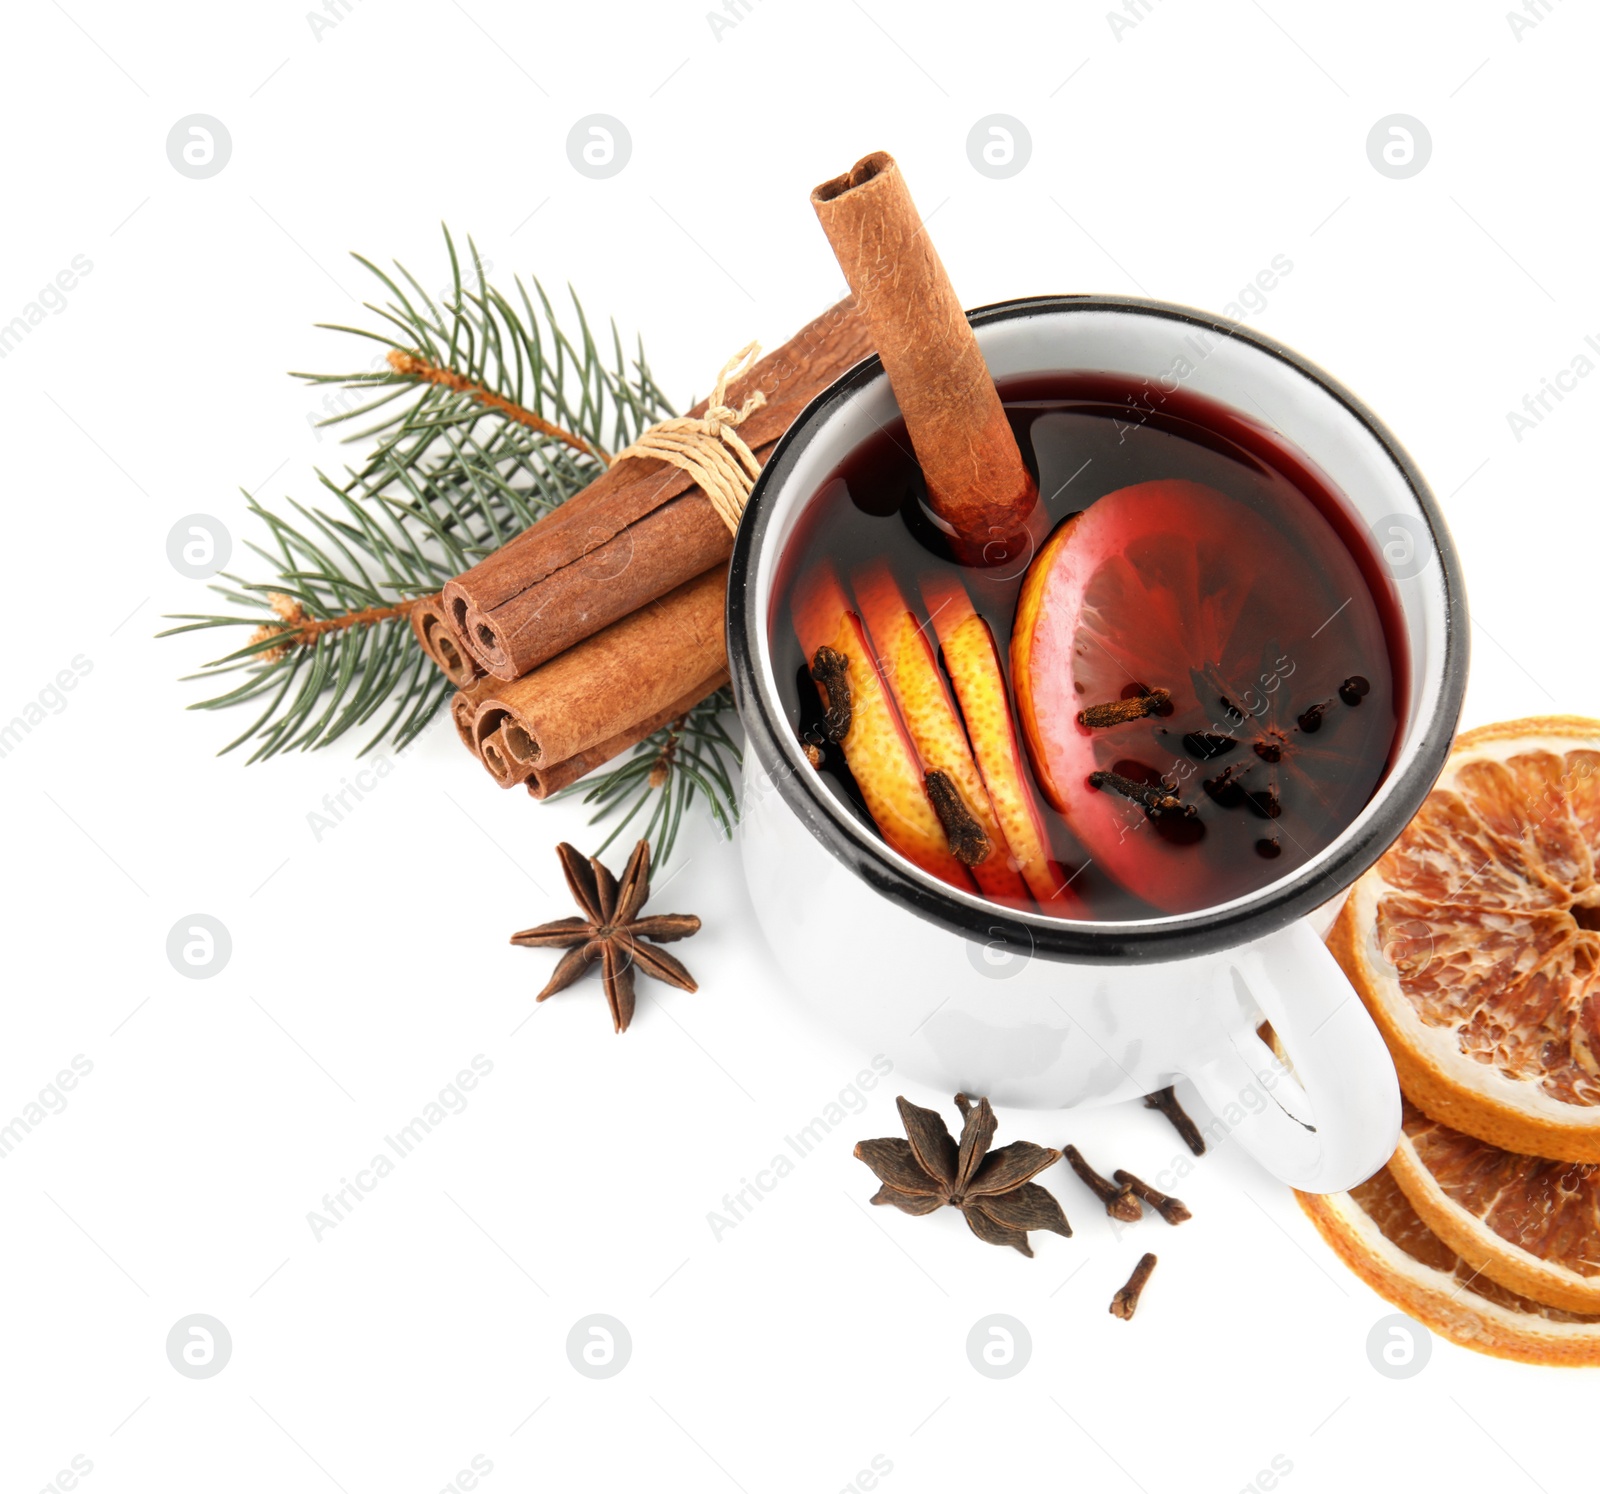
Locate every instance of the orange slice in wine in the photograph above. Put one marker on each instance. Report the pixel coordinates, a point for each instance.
(876, 747)
(1475, 941)
(907, 662)
(973, 664)
(1172, 589)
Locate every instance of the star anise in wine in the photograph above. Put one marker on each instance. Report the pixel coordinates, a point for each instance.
(611, 932)
(992, 1189)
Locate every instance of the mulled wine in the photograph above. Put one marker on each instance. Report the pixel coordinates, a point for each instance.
(1185, 684)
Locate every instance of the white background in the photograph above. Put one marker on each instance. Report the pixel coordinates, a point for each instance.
(369, 967)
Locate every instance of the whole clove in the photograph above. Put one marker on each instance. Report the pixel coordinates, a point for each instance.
(1353, 689)
(1270, 745)
(1126, 1302)
(1115, 712)
(1156, 799)
(1225, 789)
(1173, 1210)
(1310, 719)
(1119, 1201)
(831, 670)
(968, 842)
(1166, 1101)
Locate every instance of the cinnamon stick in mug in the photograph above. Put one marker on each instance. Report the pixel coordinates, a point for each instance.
(978, 484)
(600, 688)
(638, 530)
(544, 781)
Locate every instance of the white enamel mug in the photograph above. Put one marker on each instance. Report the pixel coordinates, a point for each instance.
(1046, 1012)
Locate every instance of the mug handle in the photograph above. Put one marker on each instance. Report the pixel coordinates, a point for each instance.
(1335, 1119)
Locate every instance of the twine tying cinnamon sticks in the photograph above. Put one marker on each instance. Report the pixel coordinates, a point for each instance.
(709, 447)
(640, 528)
(602, 622)
(559, 720)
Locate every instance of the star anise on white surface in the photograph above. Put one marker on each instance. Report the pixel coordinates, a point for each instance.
(993, 1190)
(612, 932)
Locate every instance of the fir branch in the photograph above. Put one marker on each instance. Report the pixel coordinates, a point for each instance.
(410, 366)
(297, 630)
(446, 366)
(331, 640)
(483, 413)
(694, 755)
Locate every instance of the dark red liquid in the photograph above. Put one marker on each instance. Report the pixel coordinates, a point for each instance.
(1274, 764)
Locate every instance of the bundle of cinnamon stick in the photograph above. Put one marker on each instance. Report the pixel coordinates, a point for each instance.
(603, 621)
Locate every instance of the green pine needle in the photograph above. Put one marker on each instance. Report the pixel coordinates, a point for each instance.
(451, 474)
(665, 772)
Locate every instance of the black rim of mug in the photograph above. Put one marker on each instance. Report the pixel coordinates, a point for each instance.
(1177, 937)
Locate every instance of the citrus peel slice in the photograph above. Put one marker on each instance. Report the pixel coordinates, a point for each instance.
(876, 748)
(973, 663)
(1377, 1233)
(1475, 941)
(911, 671)
(1529, 1224)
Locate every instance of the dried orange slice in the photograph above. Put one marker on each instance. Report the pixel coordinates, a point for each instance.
(1475, 941)
(1529, 1224)
(1376, 1232)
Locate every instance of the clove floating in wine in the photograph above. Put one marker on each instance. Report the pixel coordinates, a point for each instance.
(1351, 691)
(968, 842)
(831, 670)
(1271, 745)
(1130, 708)
(1156, 799)
(1225, 789)
(1310, 719)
